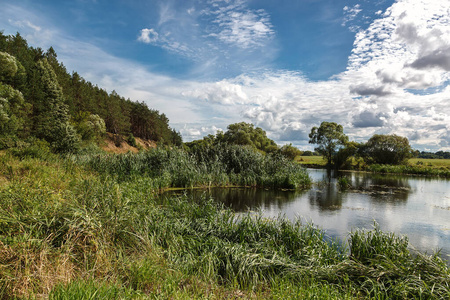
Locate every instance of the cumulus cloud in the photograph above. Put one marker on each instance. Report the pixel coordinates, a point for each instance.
(148, 36)
(366, 90)
(222, 92)
(439, 58)
(369, 119)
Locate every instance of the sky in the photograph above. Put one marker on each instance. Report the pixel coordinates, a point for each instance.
(375, 67)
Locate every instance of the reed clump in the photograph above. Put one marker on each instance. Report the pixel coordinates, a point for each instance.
(221, 165)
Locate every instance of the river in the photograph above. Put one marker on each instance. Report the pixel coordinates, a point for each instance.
(418, 207)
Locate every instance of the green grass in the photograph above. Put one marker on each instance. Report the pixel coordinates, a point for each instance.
(311, 160)
(415, 166)
(68, 231)
(221, 166)
(433, 163)
(411, 170)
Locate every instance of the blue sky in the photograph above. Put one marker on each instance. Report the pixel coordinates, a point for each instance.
(373, 66)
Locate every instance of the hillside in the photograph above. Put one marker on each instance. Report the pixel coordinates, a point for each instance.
(41, 99)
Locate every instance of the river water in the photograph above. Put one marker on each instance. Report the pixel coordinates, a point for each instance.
(418, 207)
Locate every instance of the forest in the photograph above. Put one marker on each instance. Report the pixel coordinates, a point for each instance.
(42, 100)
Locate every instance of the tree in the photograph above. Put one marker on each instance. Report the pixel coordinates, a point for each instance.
(290, 151)
(52, 114)
(330, 138)
(246, 134)
(13, 108)
(386, 149)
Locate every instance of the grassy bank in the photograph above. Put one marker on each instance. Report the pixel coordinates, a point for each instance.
(415, 166)
(71, 228)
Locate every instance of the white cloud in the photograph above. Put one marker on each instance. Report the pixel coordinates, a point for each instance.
(148, 36)
(350, 13)
(403, 49)
(219, 36)
(166, 13)
(243, 28)
(25, 23)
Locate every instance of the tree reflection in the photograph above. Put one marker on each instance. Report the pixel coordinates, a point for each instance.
(245, 199)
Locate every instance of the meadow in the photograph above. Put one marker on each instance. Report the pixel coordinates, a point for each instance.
(90, 226)
(414, 166)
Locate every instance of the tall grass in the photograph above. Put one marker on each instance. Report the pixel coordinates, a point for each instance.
(409, 169)
(220, 166)
(66, 233)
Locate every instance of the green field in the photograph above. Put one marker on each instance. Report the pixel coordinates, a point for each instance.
(434, 163)
(438, 164)
(311, 160)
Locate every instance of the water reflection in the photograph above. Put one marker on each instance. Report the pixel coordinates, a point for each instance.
(245, 199)
(418, 207)
(326, 194)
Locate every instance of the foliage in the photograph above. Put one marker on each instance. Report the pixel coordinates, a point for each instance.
(290, 151)
(386, 149)
(39, 77)
(409, 169)
(12, 104)
(242, 134)
(220, 165)
(131, 140)
(436, 155)
(245, 134)
(68, 233)
(89, 126)
(342, 159)
(329, 137)
(8, 66)
(51, 120)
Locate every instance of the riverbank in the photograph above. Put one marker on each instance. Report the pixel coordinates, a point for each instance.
(415, 166)
(70, 230)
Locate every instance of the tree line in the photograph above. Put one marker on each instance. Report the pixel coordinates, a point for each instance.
(40, 99)
(243, 134)
(337, 150)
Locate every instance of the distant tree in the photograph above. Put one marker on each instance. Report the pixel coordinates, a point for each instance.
(290, 151)
(308, 153)
(386, 149)
(329, 137)
(246, 134)
(342, 159)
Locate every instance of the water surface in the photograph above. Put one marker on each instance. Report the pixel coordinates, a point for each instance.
(418, 207)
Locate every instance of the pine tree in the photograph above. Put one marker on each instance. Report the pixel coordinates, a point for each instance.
(51, 113)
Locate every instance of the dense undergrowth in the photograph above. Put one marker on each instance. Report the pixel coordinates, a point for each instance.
(71, 229)
(221, 165)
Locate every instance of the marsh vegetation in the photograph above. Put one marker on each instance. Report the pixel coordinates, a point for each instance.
(71, 228)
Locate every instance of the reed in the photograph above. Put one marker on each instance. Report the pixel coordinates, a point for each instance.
(221, 166)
